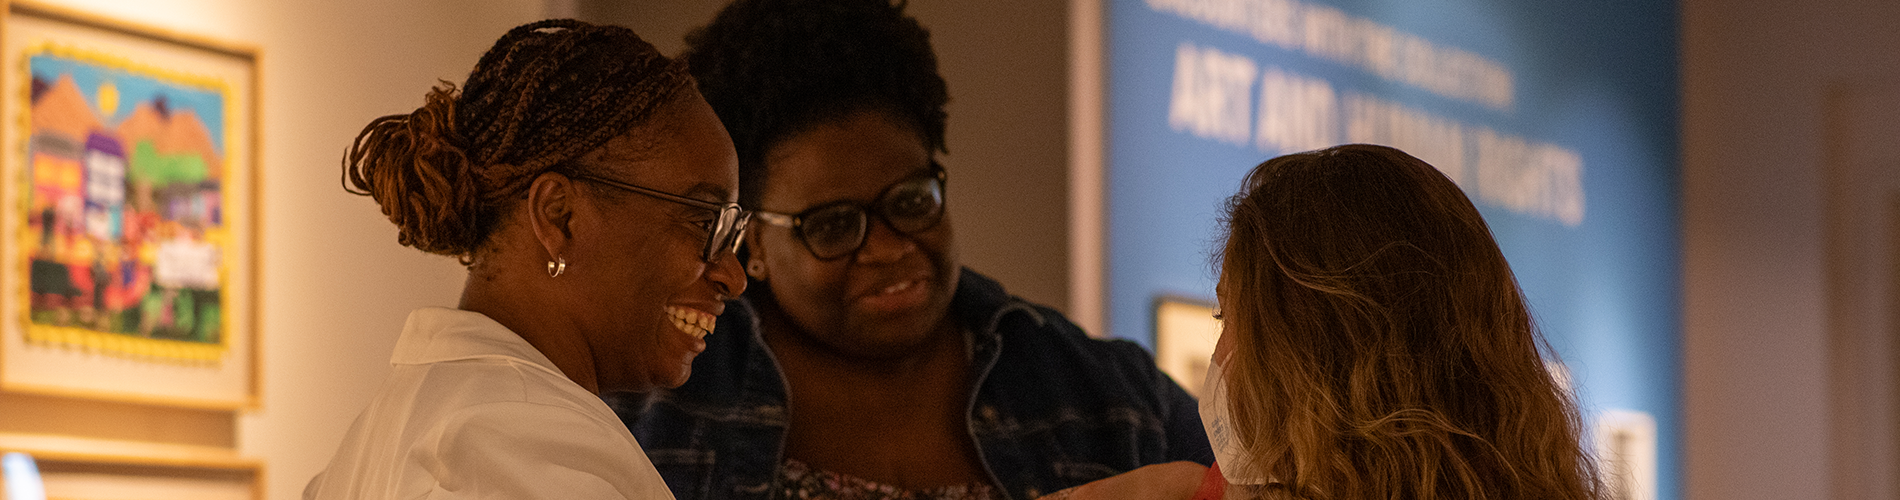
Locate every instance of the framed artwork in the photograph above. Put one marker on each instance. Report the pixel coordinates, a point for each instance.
(1626, 453)
(129, 214)
(42, 466)
(1185, 332)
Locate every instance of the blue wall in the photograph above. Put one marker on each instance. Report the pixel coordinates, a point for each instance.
(1572, 160)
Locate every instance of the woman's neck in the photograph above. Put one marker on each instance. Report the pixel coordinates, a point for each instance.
(524, 310)
(897, 420)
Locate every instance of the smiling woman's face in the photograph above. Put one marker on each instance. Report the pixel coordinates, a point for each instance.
(647, 289)
(885, 299)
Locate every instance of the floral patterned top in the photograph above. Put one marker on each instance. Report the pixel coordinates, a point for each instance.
(798, 481)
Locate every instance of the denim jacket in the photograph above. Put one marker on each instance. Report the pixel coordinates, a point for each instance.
(1050, 408)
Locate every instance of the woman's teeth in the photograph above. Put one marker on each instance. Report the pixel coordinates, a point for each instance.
(692, 321)
(897, 287)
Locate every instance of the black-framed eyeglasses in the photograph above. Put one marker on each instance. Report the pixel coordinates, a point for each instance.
(834, 230)
(722, 234)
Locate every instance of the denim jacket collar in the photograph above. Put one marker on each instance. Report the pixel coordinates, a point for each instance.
(1051, 410)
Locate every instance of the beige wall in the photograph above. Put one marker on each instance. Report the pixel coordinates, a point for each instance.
(336, 286)
(1788, 393)
(1008, 134)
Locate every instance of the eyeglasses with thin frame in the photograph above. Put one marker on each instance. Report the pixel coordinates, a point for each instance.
(837, 229)
(722, 234)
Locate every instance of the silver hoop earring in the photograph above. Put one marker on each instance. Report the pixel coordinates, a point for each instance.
(756, 269)
(556, 267)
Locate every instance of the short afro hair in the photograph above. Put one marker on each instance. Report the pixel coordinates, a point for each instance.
(774, 68)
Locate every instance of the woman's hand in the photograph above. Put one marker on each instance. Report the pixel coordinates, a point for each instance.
(1169, 481)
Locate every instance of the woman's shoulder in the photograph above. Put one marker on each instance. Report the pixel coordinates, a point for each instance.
(449, 425)
(502, 388)
(572, 452)
(1045, 332)
(1054, 349)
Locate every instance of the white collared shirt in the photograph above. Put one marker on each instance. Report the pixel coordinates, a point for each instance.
(470, 410)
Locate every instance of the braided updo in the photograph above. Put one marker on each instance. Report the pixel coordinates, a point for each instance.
(546, 93)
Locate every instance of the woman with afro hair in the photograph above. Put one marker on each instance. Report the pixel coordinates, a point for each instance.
(864, 361)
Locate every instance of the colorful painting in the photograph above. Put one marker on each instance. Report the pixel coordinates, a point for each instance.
(128, 269)
(123, 206)
(124, 219)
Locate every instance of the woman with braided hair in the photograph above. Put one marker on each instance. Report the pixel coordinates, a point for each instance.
(590, 192)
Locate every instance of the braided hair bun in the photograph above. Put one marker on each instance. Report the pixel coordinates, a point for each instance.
(547, 92)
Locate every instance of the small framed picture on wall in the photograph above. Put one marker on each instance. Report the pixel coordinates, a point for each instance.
(1185, 332)
(129, 214)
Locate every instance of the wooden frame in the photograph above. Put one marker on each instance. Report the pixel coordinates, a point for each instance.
(108, 469)
(1185, 332)
(128, 233)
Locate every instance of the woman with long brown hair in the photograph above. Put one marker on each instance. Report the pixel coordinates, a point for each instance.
(1376, 345)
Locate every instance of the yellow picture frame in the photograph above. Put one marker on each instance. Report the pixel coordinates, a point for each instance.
(128, 218)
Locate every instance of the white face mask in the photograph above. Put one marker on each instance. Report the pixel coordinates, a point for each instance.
(1235, 464)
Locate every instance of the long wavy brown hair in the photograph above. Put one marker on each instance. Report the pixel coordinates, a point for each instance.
(1381, 348)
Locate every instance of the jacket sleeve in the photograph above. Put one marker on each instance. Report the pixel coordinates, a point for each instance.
(1187, 439)
(1178, 411)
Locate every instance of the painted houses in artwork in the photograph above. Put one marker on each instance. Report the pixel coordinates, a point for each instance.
(124, 210)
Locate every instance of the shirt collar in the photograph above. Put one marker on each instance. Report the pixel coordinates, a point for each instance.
(982, 305)
(437, 334)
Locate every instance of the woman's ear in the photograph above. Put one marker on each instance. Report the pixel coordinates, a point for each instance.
(551, 199)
